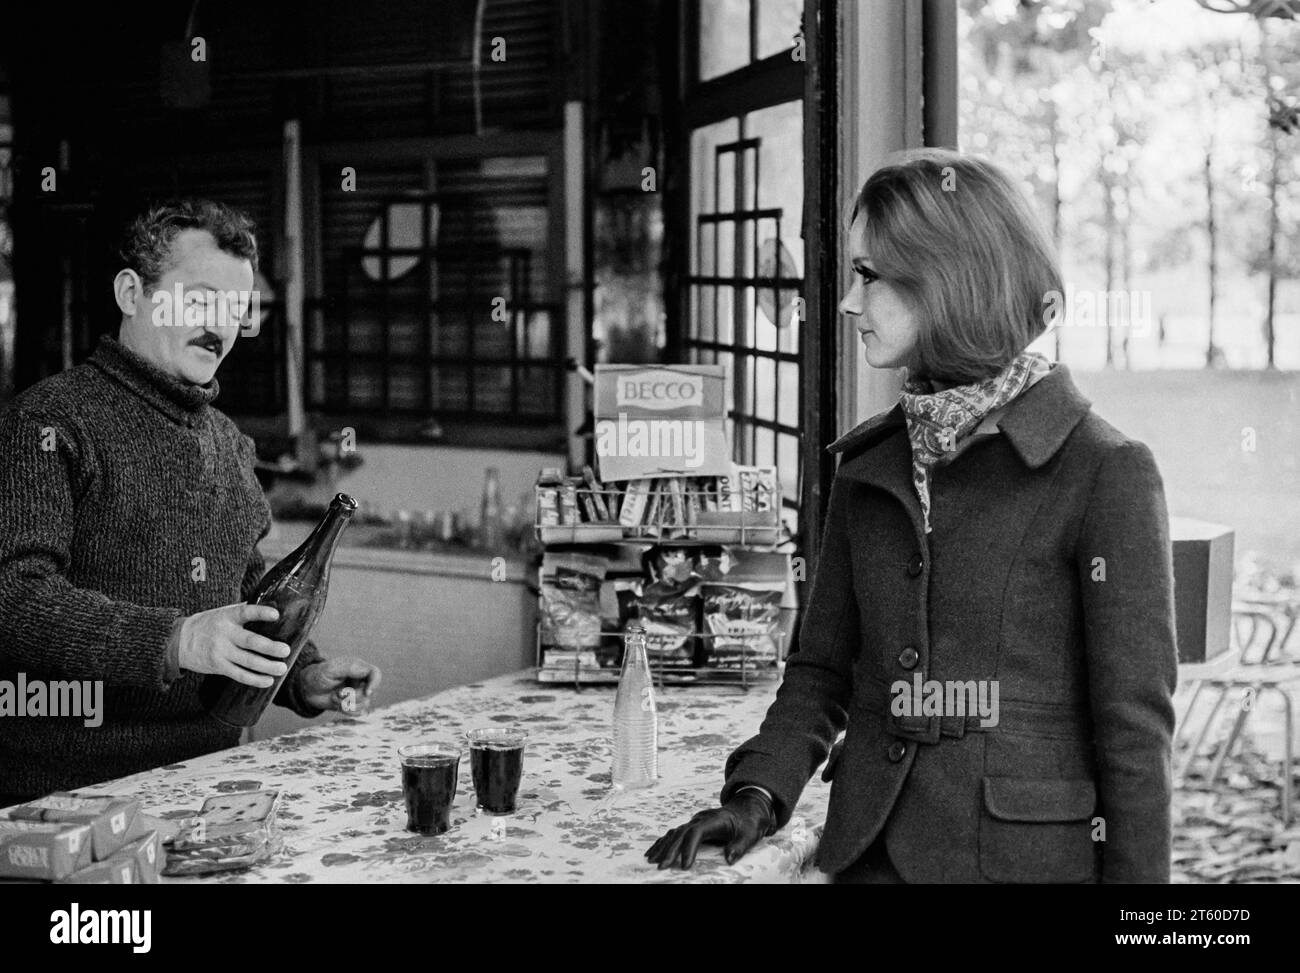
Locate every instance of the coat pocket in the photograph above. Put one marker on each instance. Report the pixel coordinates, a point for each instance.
(1037, 830)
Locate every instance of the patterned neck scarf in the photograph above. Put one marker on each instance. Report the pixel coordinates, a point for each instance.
(937, 421)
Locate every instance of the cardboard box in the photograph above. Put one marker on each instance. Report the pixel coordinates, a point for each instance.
(113, 821)
(1202, 588)
(43, 850)
(119, 870)
(146, 853)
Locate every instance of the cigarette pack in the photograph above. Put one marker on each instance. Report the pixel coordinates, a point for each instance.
(676, 514)
(654, 511)
(146, 853)
(756, 486)
(635, 500)
(34, 849)
(569, 502)
(113, 821)
(548, 506)
(602, 511)
(693, 491)
(118, 870)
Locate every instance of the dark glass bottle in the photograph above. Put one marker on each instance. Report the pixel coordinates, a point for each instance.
(296, 587)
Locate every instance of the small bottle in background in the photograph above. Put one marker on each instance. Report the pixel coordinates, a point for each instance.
(405, 531)
(492, 525)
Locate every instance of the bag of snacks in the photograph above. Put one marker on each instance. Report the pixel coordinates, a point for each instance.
(668, 616)
(742, 593)
(668, 606)
(571, 600)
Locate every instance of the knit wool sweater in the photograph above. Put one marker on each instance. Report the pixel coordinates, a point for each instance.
(126, 502)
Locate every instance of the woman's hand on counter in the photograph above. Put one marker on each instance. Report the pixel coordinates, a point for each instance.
(346, 684)
(739, 824)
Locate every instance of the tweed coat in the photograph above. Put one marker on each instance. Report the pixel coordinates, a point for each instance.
(1048, 572)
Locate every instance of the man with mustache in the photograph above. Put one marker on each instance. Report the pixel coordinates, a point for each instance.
(130, 521)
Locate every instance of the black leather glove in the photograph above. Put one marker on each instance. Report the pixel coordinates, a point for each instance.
(739, 824)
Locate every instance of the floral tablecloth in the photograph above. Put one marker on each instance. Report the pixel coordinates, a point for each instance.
(343, 816)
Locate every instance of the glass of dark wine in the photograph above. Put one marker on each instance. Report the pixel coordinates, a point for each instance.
(429, 777)
(496, 762)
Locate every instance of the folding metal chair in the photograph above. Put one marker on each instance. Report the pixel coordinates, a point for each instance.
(1257, 664)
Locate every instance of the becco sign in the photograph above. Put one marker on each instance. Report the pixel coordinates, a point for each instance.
(661, 420)
(659, 390)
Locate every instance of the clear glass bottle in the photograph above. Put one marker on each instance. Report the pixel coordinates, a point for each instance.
(636, 721)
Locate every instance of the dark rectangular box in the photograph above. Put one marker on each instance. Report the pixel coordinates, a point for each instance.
(1202, 588)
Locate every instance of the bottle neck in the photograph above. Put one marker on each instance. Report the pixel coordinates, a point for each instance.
(634, 651)
(318, 549)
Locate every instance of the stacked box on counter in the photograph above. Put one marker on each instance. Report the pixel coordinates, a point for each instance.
(231, 832)
(67, 837)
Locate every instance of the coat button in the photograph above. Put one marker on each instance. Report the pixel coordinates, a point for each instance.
(908, 658)
(915, 566)
(897, 751)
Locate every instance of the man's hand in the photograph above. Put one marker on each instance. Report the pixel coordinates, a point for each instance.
(216, 642)
(739, 824)
(341, 684)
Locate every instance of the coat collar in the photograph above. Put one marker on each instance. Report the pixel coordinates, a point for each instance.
(1037, 423)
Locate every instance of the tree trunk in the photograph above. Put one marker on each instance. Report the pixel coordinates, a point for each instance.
(1211, 231)
(1269, 336)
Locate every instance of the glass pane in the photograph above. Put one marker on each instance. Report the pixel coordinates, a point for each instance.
(778, 22)
(728, 361)
(364, 386)
(788, 407)
(780, 174)
(787, 464)
(765, 389)
(405, 389)
(747, 406)
(492, 389)
(535, 334)
(316, 382)
(724, 37)
(706, 240)
(537, 390)
(726, 315)
(702, 312)
(765, 448)
(704, 143)
(404, 336)
(726, 253)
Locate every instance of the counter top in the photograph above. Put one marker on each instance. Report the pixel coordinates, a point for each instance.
(343, 817)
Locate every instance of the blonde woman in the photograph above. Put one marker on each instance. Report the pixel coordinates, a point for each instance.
(991, 622)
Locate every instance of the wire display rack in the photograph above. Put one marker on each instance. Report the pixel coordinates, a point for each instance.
(586, 667)
(698, 512)
(684, 515)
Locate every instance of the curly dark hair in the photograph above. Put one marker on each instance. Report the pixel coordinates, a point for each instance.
(146, 246)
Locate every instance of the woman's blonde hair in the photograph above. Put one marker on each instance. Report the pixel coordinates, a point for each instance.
(958, 238)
